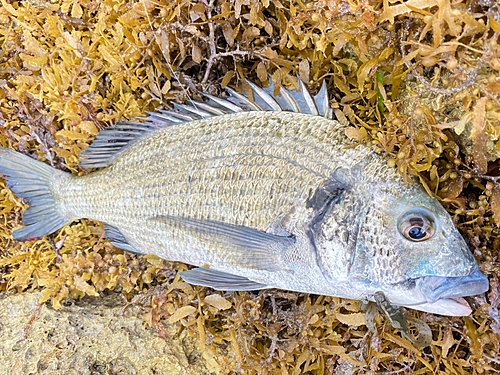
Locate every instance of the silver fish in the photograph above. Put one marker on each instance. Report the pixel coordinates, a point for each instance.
(257, 195)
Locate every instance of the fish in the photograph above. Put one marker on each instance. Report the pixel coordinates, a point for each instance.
(258, 194)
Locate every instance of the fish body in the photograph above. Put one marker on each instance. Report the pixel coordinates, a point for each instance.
(259, 199)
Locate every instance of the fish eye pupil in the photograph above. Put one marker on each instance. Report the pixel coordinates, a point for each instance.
(417, 225)
(417, 233)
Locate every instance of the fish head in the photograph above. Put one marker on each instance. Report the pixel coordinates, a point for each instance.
(399, 241)
(409, 248)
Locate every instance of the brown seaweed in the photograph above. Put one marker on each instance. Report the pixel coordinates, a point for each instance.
(70, 68)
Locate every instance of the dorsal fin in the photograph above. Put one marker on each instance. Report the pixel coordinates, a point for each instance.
(263, 99)
(112, 141)
(304, 99)
(323, 102)
(299, 101)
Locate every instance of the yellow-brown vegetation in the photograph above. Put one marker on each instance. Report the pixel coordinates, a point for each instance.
(417, 79)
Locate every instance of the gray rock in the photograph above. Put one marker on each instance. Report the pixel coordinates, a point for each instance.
(89, 337)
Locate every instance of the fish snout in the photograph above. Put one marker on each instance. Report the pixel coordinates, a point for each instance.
(434, 288)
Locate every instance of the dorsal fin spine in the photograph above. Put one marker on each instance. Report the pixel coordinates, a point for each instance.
(243, 99)
(308, 98)
(265, 97)
(224, 103)
(112, 141)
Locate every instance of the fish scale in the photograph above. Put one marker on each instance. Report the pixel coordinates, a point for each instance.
(263, 198)
(207, 168)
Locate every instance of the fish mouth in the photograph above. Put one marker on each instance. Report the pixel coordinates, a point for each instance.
(446, 306)
(434, 288)
(443, 295)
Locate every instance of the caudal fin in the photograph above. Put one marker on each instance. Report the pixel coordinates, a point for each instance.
(32, 180)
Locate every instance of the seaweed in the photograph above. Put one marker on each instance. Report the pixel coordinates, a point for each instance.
(418, 81)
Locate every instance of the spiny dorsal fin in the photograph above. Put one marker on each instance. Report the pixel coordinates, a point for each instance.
(263, 99)
(299, 101)
(218, 104)
(114, 140)
(323, 102)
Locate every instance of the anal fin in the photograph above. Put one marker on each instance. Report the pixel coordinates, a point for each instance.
(220, 280)
(118, 239)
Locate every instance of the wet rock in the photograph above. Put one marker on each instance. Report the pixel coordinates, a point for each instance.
(92, 336)
(465, 140)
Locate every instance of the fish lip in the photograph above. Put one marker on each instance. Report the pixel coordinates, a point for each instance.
(446, 306)
(434, 288)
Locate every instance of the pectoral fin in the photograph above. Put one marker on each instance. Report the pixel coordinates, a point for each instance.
(220, 280)
(237, 245)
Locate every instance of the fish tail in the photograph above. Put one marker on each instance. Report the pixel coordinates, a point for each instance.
(33, 181)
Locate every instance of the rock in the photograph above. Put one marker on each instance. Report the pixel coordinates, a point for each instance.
(90, 336)
(465, 140)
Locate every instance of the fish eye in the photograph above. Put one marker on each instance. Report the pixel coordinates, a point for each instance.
(416, 225)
